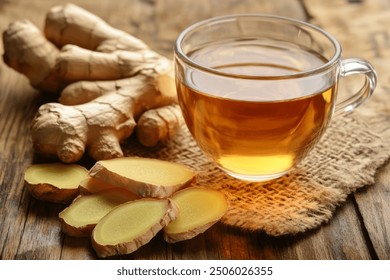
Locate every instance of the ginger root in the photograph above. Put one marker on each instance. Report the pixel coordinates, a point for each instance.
(108, 79)
(82, 215)
(54, 182)
(143, 176)
(157, 124)
(131, 225)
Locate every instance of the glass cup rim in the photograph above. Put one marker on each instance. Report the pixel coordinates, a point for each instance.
(179, 52)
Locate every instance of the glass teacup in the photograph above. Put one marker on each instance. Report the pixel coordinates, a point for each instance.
(258, 91)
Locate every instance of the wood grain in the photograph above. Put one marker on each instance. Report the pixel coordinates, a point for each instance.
(366, 36)
(374, 206)
(30, 228)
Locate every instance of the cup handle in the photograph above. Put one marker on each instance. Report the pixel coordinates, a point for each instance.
(357, 66)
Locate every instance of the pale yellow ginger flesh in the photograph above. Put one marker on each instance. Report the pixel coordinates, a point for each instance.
(131, 225)
(200, 208)
(92, 185)
(118, 220)
(54, 182)
(80, 217)
(145, 177)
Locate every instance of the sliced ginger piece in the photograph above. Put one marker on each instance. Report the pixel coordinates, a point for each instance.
(79, 218)
(145, 177)
(92, 185)
(200, 208)
(131, 225)
(54, 182)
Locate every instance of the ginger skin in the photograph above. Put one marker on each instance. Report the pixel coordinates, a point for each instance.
(146, 217)
(157, 124)
(108, 79)
(54, 182)
(145, 177)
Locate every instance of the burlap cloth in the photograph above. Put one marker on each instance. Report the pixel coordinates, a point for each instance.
(345, 159)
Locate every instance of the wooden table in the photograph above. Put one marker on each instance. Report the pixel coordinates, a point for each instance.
(30, 229)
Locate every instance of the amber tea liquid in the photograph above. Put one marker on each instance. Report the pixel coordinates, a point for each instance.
(254, 126)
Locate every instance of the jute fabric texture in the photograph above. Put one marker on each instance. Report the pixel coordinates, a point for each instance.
(345, 159)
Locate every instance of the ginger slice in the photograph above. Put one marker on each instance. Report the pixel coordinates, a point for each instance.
(54, 182)
(92, 185)
(79, 218)
(145, 177)
(200, 208)
(131, 225)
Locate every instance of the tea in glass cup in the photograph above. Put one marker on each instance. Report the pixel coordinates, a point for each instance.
(257, 92)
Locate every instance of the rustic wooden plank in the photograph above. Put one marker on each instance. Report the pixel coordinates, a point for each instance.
(154, 23)
(374, 206)
(16, 110)
(362, 29)
(341, 238)
(74, 248)
(30, 229)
